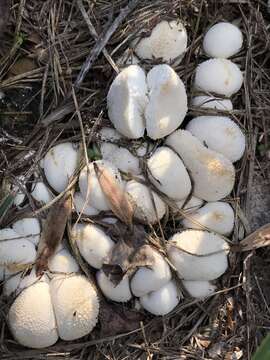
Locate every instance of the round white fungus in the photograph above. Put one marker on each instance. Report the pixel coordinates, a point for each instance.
(126, 101)
(219, 76)
(94, 245)
(167, 42)
(167, 104)
(220, 134)
(216, 216)
(210, 102)
(31, 317)
(28, 228)
(90, 187)
(62, 263)
(212, 173)
(198, 255)
(149, 207)
(199, 289)
(81, 205)
(60, 163)
(119, 293)
(75, 304)
(162, 301)
(147, 279)
(222, 40)
(41, 193)
(168, 173)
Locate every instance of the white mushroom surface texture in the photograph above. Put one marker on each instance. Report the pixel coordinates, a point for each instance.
(41, 193)
(168, 41)
(157, 103)
(198, 255)
(81, 205)
(210, 102)
(222, 40)
(199, 289)
(213, 174)
(220, 134)
(168, 173)
(60, 163)
(190, 206)
(215, 216)
(28, 227)
(120, 292)
(220, 76)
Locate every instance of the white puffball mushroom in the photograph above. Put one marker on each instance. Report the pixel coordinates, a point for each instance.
(17, 251)
(119, 293)
(199, 289)
(222, 40)
(94, 245)
(152, 278)
(168, 173)
(192, 205)
(149, 207)
(28, 228)
(126, 101)
(41, 193)
(121, 157)
(216, 216)
(60, 163)
(82, 206)
(220, 76)
(168, 41)
(183, 250)
(220, 134)
(212, 173)
(15, 283)
(31, 317)
(62, 263)
(167, 104)
(162, 301)
(90, 187)
(210, 102)
(76, 306)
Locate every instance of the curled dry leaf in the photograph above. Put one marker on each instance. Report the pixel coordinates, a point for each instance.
(130, 252)
(53, 231)
(117, 198)
(257, 239)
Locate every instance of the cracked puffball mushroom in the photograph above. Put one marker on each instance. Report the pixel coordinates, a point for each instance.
(167, 104)
(149, 208)
(226, 77)
(168, 173)
(212, 173)
(90, 187)
(222, 40)
(152, 278)
(162, 301)
(60, 163)
(94, 245)
(119, 293)
(126, 101)
(199, 289)
(198, 255)
(167, 42)
(210, 102)
(219, 133)
(216, 216)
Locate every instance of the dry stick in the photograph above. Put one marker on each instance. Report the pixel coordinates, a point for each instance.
(93, 32)
(66, 107)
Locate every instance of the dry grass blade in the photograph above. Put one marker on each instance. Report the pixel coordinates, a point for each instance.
(117, 198)
(259, 238)
(53, 231)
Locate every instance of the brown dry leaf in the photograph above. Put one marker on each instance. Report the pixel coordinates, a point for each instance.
(22, 66)
(53, 231)
(130, 252)
(257, 239)
(115, 320)
(117, 198)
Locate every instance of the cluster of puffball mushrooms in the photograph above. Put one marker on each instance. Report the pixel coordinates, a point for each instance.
(192, 168)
